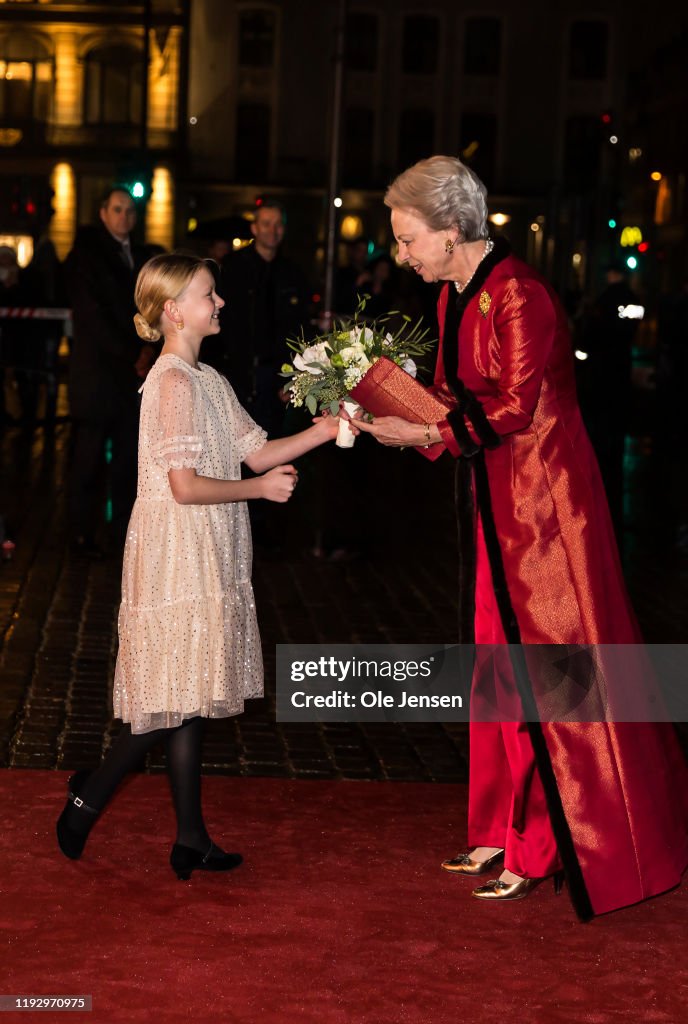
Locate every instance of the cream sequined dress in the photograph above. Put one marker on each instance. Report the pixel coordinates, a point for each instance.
(188, 635)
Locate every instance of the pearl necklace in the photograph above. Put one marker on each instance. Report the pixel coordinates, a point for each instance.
(489, 246)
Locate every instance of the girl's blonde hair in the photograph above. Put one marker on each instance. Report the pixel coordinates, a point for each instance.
(161, 278)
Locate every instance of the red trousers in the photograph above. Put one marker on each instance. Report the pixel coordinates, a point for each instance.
(506, 800)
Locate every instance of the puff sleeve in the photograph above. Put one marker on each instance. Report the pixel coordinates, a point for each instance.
(247, 435)
(176, 437)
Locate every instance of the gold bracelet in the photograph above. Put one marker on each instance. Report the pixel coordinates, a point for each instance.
(426, 427)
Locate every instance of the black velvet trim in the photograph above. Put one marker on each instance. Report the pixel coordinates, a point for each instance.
(580, 897)
(472, 489)
(481, 425)
(455, 309)
(465, 522)
(562, 833)
(468, 405)
(455, 419)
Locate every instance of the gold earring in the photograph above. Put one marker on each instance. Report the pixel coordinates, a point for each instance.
(449, 245)
(179, 324)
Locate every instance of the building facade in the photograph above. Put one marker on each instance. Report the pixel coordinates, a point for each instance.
(532, 96)
(90, 94)
(212, 103)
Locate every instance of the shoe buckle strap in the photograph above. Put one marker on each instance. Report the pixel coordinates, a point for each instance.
(78, 802)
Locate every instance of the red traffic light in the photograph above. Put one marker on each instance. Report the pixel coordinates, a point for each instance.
(643, 247)
(606, 117)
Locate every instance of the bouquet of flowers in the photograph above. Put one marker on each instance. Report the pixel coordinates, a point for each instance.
(323, 371)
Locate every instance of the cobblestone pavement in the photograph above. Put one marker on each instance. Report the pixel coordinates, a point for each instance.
(58, 612)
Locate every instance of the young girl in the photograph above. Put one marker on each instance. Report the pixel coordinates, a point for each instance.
(188, 638)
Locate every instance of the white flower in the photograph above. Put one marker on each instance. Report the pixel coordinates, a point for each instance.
(356, 332)
(410, 366)
(388, 340)
(355, 355)
(314, 354)
(352, 376)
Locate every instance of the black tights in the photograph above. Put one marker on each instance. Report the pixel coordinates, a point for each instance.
(183, 768)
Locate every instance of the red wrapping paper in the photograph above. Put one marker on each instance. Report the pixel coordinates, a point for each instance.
(387, 390)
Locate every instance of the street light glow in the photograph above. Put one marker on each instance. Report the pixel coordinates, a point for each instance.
(338, 202)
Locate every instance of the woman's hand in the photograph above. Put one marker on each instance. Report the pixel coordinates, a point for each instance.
(279, 483)
(389, 430)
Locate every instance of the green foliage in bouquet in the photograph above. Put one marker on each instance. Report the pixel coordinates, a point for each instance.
(325, 369)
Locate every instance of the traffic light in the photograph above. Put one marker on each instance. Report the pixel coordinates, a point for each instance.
(27, 202)
(136, 178)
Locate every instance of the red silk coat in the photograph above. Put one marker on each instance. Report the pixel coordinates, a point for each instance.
(617, 791)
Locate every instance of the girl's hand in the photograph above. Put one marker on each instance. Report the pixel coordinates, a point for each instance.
(327, 424)
(279, 483)
(353, 420)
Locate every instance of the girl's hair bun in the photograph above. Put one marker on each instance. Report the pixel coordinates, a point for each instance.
(144, 329)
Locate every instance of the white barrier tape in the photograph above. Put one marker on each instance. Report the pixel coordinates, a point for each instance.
(29, 313)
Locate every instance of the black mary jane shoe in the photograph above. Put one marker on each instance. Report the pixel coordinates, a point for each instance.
(71, 842)
(184, 860)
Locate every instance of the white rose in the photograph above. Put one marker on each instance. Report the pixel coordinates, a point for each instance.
(410, 367)
(355, 354)
(313, 354)
(361, 335)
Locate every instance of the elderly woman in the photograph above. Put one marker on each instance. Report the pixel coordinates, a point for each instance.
(605, 801)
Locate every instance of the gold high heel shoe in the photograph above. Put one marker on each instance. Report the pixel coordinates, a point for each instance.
(499, 891)
(462, 864)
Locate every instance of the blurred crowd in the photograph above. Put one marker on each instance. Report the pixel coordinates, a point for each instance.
(269, 299)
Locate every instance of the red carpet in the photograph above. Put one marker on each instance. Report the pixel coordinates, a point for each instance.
(340, 915)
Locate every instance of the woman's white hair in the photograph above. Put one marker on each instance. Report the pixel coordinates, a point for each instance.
(444, 192)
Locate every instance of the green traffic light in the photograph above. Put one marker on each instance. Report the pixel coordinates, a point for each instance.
(631, 262)
(611, 222)
(138, 190)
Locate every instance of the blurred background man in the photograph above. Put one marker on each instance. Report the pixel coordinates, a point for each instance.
(107, 365)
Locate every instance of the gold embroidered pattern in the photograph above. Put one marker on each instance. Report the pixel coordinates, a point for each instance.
(484, 303)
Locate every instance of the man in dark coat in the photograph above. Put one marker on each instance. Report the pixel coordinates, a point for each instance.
(266, 302)
(107, 365)
(266, 299)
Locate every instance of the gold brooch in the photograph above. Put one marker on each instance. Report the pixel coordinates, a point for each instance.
(484, 303)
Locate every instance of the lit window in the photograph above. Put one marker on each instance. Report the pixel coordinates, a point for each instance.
(113, 85)
(26, 80)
